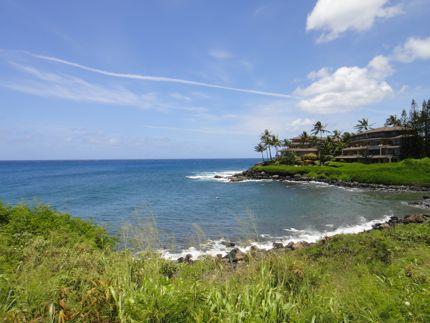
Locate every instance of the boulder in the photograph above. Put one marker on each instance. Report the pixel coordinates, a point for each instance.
(228, 243)
(237, 178)
(414, 218)
(380, 226)
(217, 176)
(188, 258)
(277, 245)
(297, 245)
(275, 177)
(235, 255)
(424, 204)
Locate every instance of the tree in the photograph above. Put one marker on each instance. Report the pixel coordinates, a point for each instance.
(260, 148)
(425, 126)
(346, 137)
(404, 118)
(337, 135)
(275, 143)
(362, 125)
(285, 143)
(319, 128)
(304, 137)
(266, 139)
(393, 121)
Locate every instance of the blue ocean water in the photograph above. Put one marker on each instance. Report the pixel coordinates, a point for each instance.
(188, 205)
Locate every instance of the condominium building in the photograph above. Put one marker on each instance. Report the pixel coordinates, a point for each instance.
(385, 144)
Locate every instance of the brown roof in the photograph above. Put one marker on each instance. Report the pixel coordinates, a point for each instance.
(302, 149)
(368, 147)
(349, 157)
(380, 138)
(383, 129)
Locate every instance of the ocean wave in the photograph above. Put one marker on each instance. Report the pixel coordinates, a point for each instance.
(222, 176)
(215, 247)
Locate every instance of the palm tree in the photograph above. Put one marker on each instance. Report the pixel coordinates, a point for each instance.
(260, 148)
(304, 137)
(266, 139)
(319, 128)
(275, 143)
(363, 125)
(285, 143)
(393, 121)
(337, 135)
(346, 137)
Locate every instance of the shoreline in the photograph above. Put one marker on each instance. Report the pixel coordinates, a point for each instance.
(251, 174)
(235, 254)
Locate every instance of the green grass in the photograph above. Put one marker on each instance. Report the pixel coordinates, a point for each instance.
(407, 172)
(55, 268)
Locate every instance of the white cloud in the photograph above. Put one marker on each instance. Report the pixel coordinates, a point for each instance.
(323, 72)
(413, 49)
(347, 88)
(300, 123)
(335, 17)
(220, 54)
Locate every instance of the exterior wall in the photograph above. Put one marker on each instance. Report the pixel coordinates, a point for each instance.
(384, 145)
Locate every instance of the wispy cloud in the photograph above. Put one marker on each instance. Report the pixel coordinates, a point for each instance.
(413, 49)
(154, 78)
(220, 54)
(47, 84)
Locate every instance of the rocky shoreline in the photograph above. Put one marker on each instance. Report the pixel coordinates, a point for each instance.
(236, 256)
(251, 174)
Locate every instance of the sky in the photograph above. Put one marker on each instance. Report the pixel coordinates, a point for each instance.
(200, 79)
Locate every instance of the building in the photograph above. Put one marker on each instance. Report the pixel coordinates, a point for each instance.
(385, 144)
(300, 148)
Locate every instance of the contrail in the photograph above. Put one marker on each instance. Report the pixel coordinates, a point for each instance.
(155, 78)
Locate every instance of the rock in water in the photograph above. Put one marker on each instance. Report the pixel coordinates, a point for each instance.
(228, 243)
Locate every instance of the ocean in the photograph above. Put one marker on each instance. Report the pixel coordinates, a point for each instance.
(184, 209)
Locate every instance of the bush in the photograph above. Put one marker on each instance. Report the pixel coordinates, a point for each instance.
(289, 158)
(310, 156)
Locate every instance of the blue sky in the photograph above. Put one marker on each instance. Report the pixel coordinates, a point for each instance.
(200, 79)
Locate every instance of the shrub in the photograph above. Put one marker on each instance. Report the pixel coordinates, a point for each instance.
(289, 158)
(310, 156)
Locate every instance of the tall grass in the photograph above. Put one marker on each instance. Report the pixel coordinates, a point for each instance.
(407, 172)
(58, 268)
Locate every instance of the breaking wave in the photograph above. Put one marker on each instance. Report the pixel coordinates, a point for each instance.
(215, 247)
(220, 176)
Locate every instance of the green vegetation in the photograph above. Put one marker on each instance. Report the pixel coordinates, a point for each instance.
(56, 268)
(406, 172)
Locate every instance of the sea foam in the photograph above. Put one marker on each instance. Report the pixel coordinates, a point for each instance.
(214, 247)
